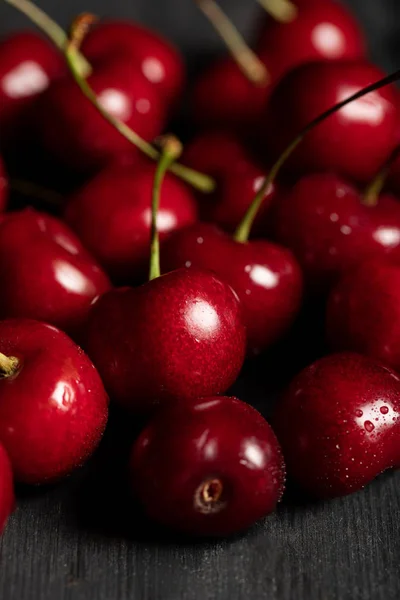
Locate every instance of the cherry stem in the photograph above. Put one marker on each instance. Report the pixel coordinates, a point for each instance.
(374, 189)
(248, 62)
(283, 11)
(51, 28)
(8, 365)
(171, 149)
(243, 231)
(27, 188)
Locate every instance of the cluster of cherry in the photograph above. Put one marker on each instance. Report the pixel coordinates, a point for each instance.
(271, 235)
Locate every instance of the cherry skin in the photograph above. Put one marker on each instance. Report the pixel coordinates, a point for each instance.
(265, 276)
(46, 273)
(78, 135)
(180, 336)
(212, 467)
(363, 312)
(321, 31)
(338, 424)
(53, 408)
(355, 141)
(7, 500)
(329, 230)
(111, 214)
(158, 60)
(28, 64)
(3, 186)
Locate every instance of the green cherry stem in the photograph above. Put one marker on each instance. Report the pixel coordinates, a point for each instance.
(171, 149)
(248, 62)
(32, 190)
(374, 189)
(243, 231)
(282, 11)
(8, 365)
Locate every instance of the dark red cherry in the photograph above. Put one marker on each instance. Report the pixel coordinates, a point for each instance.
(45, 272)
(53, 408)
(111, 214)
(265, 276)
(77, 134)
(338, 424)
(157, 59)
(363, 312)
(212, 467)
(355, 141)
(28, 64)
(7, 499)
(328, 228)
(322, 30)
(180, 336)
(3, 186)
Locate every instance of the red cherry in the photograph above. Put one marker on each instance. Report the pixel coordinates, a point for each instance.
(329, 230)
(112, 216)
(355, 141)
(73, 129)
(180, 336)
(338, 424)
(53, 407)
(158, 60)
(3, 186)
(7, 499)
(265, 276)
(210, 468)
(28, 64)
(364, 312)
(46, 273)
(321, 31)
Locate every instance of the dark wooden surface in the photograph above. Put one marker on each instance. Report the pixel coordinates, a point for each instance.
(84, 539)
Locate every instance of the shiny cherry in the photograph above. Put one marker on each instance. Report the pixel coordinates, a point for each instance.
(46, 273)
(328, 228)
(265, 276)
(212, 467)
(7, 499)
(180, 336)
(157, 59)
(111, 214)
(363, 312)
(53, 407)
(28, 64)
(355, 141)
(338, 424)
(77, 134)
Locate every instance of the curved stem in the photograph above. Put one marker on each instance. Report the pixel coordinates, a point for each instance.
(51, 29)
(27, 188)
(283, 11)
(374, 189)
(243, 231)
(8, 365)
(248, 62)
(171, 149)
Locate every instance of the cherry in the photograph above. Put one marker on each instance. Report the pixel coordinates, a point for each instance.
(7, 499)
(46, 274)
(363, 312)
(53, 408)
(265, 276)
(111, 214)
(321, 31)
(3, 186)
(28, 65)
(338, 424)
(156, 57)
(179, 336)
(209, 468)
(328, 228)
(355, 141)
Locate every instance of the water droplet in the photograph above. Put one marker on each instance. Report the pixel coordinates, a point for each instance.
(384, 410)
(359, 413)
(369, 426)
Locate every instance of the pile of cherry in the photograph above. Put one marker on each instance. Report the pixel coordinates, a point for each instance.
(205, 464)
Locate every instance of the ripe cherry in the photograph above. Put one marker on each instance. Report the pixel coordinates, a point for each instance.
(46, 273)
(212, 467)
(53, 407)
(364, 312)
(7, 499)
(111, 214)
(338, 424)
